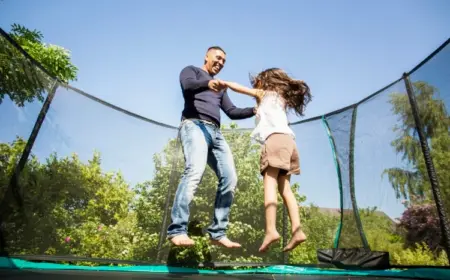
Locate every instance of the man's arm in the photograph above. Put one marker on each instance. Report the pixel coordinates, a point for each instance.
(235, 113)
(189, 81)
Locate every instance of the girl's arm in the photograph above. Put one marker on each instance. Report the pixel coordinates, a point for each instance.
(245, 90)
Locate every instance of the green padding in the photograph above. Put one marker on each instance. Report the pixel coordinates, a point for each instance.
(425, 273)
(338, 171)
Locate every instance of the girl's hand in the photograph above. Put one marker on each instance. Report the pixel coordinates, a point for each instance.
(241, 89)
(222, 83)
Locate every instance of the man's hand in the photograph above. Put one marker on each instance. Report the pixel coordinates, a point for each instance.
(217, 85)
(255, 109)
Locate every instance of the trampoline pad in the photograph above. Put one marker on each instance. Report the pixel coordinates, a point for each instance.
(116, 275)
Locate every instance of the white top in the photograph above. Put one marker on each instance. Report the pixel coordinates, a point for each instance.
(271, 117)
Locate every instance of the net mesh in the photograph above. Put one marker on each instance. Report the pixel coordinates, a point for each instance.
(339, 127)
(100, 181)
(431, 87)
(246, 224)
(376, 164)
(23, 88)
(318, 195)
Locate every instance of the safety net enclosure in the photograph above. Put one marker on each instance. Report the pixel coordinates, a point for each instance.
(88, 186)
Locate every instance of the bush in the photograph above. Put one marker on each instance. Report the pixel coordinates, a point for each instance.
(420, 224)
(419, 255)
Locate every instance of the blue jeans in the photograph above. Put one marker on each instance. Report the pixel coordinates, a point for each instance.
(203, 143)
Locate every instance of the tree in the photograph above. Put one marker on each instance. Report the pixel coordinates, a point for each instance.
(60, 197)
(380, 230)
(74, 208)
(320, 229)
(421, 224)
(20, 79)
(413, 184)
(247, 213)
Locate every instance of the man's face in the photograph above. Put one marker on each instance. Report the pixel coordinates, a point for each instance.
(215, 60)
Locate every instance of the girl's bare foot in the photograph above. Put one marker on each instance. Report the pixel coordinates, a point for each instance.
(269, 239)
(182, 240)
(297, 238)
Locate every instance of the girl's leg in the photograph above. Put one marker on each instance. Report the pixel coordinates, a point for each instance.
(298, 236)
(270, 203)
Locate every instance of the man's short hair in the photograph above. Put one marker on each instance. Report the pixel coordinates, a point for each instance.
(216, 48)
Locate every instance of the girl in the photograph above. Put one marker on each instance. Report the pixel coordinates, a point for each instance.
(275, 93)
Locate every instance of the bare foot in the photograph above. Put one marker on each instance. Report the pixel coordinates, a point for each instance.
(182, 240)
(297, 238)
(269, 239)
(225, 242)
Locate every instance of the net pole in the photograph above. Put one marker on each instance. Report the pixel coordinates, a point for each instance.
(27, 150)
(338, 171)
(352, 179)
(174, 168)
(13, 190)
(430, 166)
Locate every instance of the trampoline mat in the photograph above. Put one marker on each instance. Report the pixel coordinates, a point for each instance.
(116, 275)
(14, 268)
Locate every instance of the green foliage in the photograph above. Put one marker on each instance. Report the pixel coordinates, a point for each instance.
(421, 225)
(60, 196)
(314, 222)
(413, 184)
(74, 208)
(247, 218)
(421, 255)
(21, 80)
(379, 229)
(55, 59)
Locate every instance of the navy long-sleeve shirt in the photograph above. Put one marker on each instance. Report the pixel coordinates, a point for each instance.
(201, 102)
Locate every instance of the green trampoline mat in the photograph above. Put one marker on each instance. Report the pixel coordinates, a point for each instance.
(418, 273)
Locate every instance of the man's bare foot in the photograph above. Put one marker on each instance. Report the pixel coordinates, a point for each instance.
(297, 238)
(182, 240)
(225, 242)
(269, 239)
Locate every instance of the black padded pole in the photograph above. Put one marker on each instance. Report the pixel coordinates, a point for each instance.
(12, 191)
(173, 173)
(430, 166)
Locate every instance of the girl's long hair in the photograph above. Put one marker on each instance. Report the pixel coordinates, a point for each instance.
(295, 93)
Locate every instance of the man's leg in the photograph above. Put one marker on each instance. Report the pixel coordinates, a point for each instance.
(221, 161)
(195, 149)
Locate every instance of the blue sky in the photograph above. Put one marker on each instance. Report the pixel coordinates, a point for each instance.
(130, 53)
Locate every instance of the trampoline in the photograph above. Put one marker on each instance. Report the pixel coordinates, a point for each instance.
(31, 270)
(87, 186)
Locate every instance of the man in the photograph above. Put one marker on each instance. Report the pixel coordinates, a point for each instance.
(203, 143)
